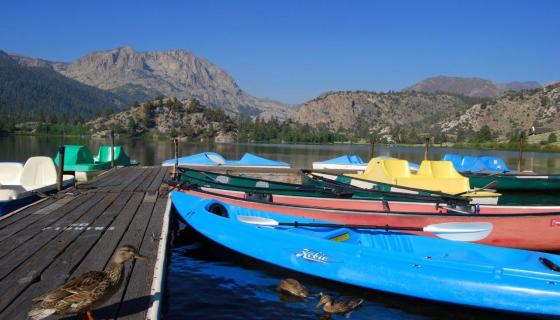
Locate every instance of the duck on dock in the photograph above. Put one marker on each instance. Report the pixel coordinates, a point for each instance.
(338, 306)
(88, 291)
(292, 287)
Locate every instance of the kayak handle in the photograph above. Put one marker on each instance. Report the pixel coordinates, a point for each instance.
(549, 264)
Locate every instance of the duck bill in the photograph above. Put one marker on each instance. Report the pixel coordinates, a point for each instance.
(318, 304)
(140, 257)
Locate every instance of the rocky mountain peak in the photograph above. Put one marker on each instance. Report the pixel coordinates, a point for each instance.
(470, 87)
(171, 73)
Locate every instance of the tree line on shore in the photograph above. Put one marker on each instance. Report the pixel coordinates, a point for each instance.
(245, 129)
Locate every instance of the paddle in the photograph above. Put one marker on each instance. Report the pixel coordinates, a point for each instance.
(492, 184)
(457, 231)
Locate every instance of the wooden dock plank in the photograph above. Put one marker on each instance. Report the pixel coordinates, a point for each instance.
(147, 181)
(162, 175)
(141, 277)
(131, 178)
(133, 236)
(63, 217)
(61, 268)
(13, 217)
(41, 212)
(30, 270)
(146, 173)
(59, 238)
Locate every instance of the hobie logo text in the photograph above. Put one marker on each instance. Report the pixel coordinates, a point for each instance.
(313, 256)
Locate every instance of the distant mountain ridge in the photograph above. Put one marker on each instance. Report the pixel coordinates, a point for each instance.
(34, 89)
(470, 87)
(172, 73)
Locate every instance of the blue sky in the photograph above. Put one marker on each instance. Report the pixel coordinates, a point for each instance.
(292, 51)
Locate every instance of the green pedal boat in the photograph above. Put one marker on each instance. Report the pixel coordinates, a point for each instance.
(80, 160)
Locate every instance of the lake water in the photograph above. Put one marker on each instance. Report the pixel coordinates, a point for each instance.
(206, 281)
(150, 152)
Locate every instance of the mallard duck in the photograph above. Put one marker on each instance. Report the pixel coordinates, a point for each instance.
(339, 306)
(88, 291)
(292, 287)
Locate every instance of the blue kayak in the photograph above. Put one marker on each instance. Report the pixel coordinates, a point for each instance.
(424, 267)
(216, 159)
(477, 164)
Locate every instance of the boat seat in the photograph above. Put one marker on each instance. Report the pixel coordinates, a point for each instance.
(384, 170)
(456, 159)
(222, 179)
(38, 172)
(10, 192)
(10, 172)
(472, 164)
(438, 176)
(215, 157)
(262, 184)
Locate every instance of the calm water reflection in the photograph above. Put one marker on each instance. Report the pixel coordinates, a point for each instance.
(149, 152)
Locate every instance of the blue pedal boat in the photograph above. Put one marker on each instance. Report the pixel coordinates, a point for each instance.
(448, 271)
(351, 163)
(204, 159)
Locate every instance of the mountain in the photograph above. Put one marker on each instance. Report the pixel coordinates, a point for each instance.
(365, 112)
(38, 89)
(510, 112)
(173, 73)
(470, 87)
(170, 116)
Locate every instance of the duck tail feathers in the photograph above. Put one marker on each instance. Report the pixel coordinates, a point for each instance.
(38, 313)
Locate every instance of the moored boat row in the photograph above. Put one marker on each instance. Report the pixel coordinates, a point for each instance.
(403, 263)
(428, 234)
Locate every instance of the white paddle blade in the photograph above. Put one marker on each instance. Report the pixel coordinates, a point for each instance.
(257, 220)
(461, 231)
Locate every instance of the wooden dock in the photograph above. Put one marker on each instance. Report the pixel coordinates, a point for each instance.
(78, 230)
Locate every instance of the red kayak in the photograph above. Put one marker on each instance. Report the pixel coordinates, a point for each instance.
(518, 228)
(377, 205)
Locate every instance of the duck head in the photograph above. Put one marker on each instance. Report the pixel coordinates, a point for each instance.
(325, 299)
(126, 253)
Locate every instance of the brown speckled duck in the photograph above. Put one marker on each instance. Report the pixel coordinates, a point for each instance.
(292, 287)
(90, 290)
(339, 306)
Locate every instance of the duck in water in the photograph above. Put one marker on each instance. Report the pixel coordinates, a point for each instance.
(90, 290)
(292, 287)
(339, 306)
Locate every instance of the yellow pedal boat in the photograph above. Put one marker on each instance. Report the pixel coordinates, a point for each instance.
(433, 175)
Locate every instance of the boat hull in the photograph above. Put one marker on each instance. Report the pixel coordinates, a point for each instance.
(428, 268)
(266, 187)
(535, 231)
(517, 182)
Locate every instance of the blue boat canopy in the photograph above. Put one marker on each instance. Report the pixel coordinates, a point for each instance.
(476, 164)
(250, 159)
(216, 159)
(345, 159)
